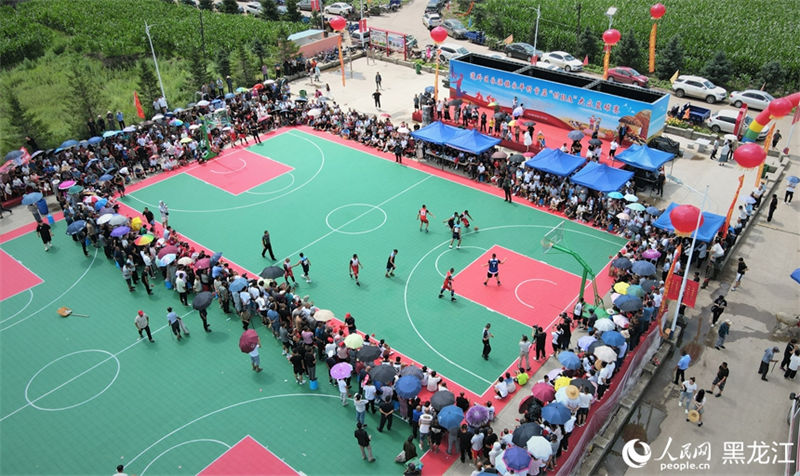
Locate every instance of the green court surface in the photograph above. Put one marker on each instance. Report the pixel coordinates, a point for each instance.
(94, 396)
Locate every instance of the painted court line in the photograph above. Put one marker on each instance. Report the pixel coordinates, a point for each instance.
(249, 446)
(199, 440)
(30, 300)
(16, 277)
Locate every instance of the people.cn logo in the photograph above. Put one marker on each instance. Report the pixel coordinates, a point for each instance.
(633, 458)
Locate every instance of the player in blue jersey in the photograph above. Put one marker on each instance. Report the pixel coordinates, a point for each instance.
(494, 269)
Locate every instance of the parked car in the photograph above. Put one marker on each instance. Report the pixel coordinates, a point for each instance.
(626, 75)
(253, 8)
(698, 87)
(435, 6)
(305, 5)
(450, 51)
(522, 51)
(455, 28)
(724, 120)
(551, 67)
(359, 38)
(338, 8)
(564, 60)
(666, 144)
(754, 98)
(431, 20)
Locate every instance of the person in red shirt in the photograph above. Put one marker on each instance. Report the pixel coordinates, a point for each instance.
(353, 268)
(422, 215)
(287, 271)
(448, 285)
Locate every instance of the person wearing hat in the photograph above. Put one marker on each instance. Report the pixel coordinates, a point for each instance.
(722, 333)
(696, 413)
(765, 361)
(142, 322)
(350, 321)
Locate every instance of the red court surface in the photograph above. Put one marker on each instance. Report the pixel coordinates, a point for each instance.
(247, 457)
(15, 277)
(238, 171)
(532, 292)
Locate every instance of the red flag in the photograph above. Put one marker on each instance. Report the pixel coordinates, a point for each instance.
(674, 287)
(314, 5)
(362, 25)
(586, 60)
(138, 104)
(796, 116)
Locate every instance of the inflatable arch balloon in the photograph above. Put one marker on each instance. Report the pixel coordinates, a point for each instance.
(777, 109)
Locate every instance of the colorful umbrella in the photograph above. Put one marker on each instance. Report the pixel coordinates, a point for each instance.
(653, 211)
(612, 338)
(248, 341)
(238, 284)
(477, 415)
(637, 207)
(167, 250)
(651, 253)
(544, 392)
(516, 458)
(143, 240)
(31, 198)
(561, 382)
(621, 287)
(635, 290)
(615, 195)
(66, 184)
(204, 263)
(450, 417)
(341, 370)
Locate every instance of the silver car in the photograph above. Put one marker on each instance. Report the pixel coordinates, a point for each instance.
(754, 99)
(698, 87)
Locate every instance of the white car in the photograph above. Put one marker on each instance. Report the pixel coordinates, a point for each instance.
(754, 99)
(564, 60)
(551, 67)
(698, 87)
(431, 20)
(253, 8)
(449, 51)
(725, 121)
(338, 8)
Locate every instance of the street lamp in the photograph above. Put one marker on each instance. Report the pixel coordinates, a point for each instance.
(155, 61)
(438, 35)
(610, 14)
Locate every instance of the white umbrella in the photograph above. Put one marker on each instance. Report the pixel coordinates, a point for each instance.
(629, 197)
(621, 320)
(117, 219)
(314, 112)
(539, 447)
(185, 261)
(604, 325)
(323, 315)
(123, 171)
(403, 130)
(194, 126)
(158, 117)
(268, 82)
(203, 103)
(605, 353)
(104, 218)
(623, 216)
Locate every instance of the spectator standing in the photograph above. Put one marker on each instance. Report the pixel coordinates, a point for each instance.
(378, 85)
(681, 367)
(687, 392)
(787, 198)
(794, 363)
(43, 229)
(387, 410)
(773, 204)
(364, 440)
(741, 268)
(524, 352)
(142, 322)
(766, 359)
(722, 333)
(721, 379)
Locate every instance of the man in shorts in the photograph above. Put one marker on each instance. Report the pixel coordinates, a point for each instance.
(306, 265)
(422, 216)
(287, 271)
(448, 285)
(465, 219)
(390, 267)
(456, 235)
(354, 266)
(720, 379)
(452, 220)
(494, 269)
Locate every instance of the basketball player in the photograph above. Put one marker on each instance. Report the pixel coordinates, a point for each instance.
(353, 267)
(456, 235)
(494, 269)
(448, 285)
(422, 216)
(390, 267)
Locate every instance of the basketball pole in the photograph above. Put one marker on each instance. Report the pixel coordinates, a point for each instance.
(587, 271)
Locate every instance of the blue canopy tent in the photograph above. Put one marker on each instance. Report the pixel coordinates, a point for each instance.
(711, 224)
(556, 162)
(601, 177)
(436, 133)
(472, 141)
(643, 157)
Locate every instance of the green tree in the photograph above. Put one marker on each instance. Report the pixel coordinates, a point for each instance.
(245, 65)
(292, 12)
(628, 52)
(223, 62)
(269, 11)
(83, 95)
(22, 124)
(588, 45)
(149, 89)
(773, 75)
(207, 4)
(669, 58)
(718, 68)
(229, 6)
(197, 69)
(259, 50)
(286, 49)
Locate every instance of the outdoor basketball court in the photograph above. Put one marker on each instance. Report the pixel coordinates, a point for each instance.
(96, 396)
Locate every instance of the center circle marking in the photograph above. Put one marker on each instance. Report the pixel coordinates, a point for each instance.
(362, 205)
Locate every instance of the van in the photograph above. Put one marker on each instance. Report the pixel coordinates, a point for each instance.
(434, 6)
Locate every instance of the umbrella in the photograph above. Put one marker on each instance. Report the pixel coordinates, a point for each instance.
(637, 207)
(544, 392)
(108, 134)
(629, 303)
(131, 128)
(527, 403)
(584, 384)
(75, 227)
(621, 263)
(585, 341)
(143, 240)
(241, 90)
(341, 370)
(403, 130)
(104, 218)
(615, 195)
(561, 382)
(323, 315)
(450, 417)
(66, 184)
(605, 353)
(652, 211)
(303, 100)
(408, 387)
(442, 398)
(621, 287)
(491, 104)
(604, 325)
(796, 275)
(314, 112)
(793, 179)
(117, 219)
(385, 374)
(629, 197)
(525, 432)
(194, 127)
(215, 258)
(185, 261)
(248, 341)
(202, 300)
(412, 370)
(169, 249)
(120, 231)
(644, 268)
(204, 263)
(599, 343)
(271, 272)
(635, 290)
(166, 260)
(569, 360)
(555, 413)
(455, 102)
(651, 253)
(623, 216)
(269, 81)
(554, 374)
(517, 159)
(595, 142)
(68, 143)
(238, 284)
(100, 204)
(539, 447)
(229, 95)
(186, 140)
(516, 458)
(612, 338)
(75, 189)
(31, 198)
(354, 341)
(647, 284)
(94, 140)
(575, 135)
(477, 415)
(499, 155)
(202, 103)
(367, 353)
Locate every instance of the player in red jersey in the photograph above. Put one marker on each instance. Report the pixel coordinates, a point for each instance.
(422, 216)
(353, 267)
(465, 218)
(448, 285)
(287, 271)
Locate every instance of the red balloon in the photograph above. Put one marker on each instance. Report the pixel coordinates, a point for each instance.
(438, 34)
(749, 155)
(684, 219)
(337, 23)
(780, 107)
(611, 36)
(657, 11)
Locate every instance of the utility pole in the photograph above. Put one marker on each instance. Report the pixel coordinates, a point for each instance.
(155, 61)
(536, 31)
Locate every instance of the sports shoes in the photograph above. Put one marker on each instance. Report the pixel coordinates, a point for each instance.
(451, 246)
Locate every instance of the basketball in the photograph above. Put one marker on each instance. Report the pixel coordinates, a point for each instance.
(476, 228)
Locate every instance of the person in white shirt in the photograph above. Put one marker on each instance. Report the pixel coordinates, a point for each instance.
(687, 392)
(585, 400)
(425, 421)
(524, 352)
(433, 382)
(501, 389)
(369, 395)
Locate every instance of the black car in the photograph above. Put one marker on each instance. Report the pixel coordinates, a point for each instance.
(666, 144)
(522, 51)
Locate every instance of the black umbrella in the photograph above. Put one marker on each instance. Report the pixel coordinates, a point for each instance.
(384, 374)
(594, 345)
(527, 403)
(442, 398)
(271, 272)
(575, 135)
(368, 353)
(524, 433)
(629, 305)
(647, 284)
(634, 228)
(455, 102)
(582, 383)
(534, 413)
(202, 300)
(75, 227)
(595, 142)
(499, 115)
(412, 370)
(517, 159)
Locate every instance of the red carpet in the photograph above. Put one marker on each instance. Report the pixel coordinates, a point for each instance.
(238, 171)
(247, 457)
(15, 277)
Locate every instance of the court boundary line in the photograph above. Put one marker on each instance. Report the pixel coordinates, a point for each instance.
(289, 171)
(30, 300)
(26, 269)
(259, 444)
(187, 442)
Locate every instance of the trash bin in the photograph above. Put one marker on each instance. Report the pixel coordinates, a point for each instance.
(418, 68)
(42, 206)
